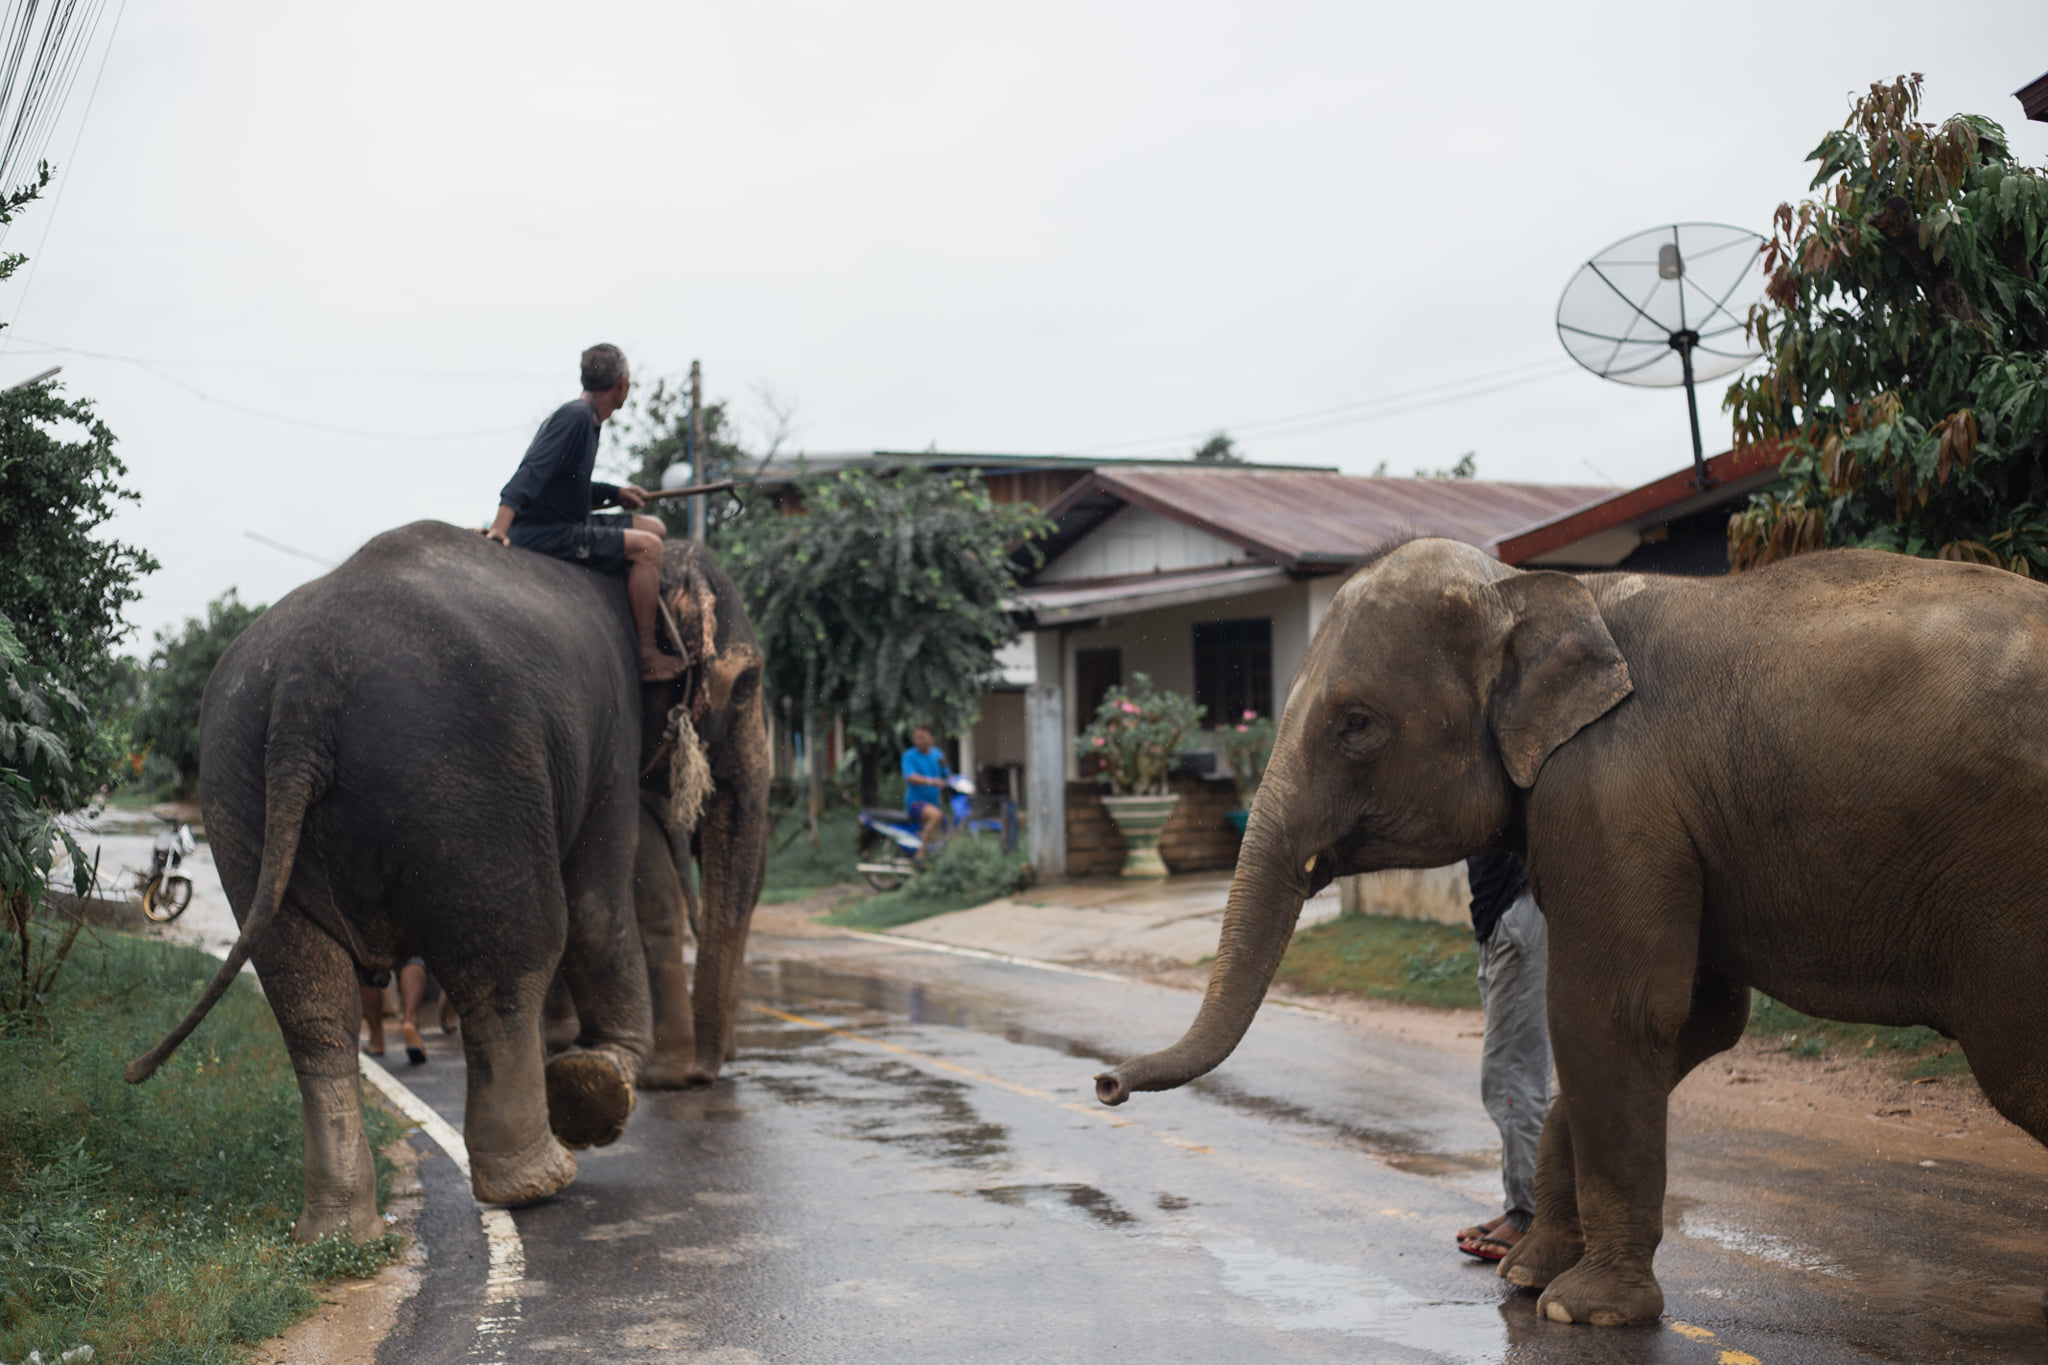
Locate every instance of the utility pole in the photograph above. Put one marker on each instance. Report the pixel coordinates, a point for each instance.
(697, 473)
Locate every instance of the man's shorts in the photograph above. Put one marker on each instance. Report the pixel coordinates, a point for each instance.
(597, 542)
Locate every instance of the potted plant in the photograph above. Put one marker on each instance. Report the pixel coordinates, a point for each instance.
(1246, 747)
(1135, 736)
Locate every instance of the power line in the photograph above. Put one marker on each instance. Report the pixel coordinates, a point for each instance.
(1358, 411)
(331, 428)
(259, 368)
(7, 169)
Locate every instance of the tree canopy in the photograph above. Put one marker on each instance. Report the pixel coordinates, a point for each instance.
(166, 723)
(1219, 449)
(1905, 328)
(882, 602)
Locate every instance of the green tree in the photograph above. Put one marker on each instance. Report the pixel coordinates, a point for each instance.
(37, 779)
(1467, 467)
(882, 602)
(652, 432)
(166, 724)
(1219, 449)
(1905, 328)
(63, 581)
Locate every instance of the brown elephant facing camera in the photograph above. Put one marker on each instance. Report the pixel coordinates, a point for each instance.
(1827, 780)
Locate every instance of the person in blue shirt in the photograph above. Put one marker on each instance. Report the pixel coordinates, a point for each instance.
(547, 505)
(924, 783)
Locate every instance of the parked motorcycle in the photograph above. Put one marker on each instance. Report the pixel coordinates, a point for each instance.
(165, 891)
(892, 849)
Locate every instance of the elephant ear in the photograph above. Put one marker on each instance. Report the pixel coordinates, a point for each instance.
(1560, 669)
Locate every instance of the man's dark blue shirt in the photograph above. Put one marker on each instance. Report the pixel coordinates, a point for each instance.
(552, 486)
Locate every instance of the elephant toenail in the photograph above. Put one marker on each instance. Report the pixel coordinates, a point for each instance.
(1557, 1312)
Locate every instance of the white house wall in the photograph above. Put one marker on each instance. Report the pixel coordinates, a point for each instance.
(1137, 540)
(1162, 644)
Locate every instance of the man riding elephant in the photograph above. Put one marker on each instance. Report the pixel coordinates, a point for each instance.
(547, 505)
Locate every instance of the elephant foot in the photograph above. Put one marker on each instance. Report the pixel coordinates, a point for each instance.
(1540, 1257)
(542, 1169)
(669, 1071)
(589, 1098)
(352, 1217)
(1603, 1296)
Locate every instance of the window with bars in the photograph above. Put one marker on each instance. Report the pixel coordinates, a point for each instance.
(1234, 669)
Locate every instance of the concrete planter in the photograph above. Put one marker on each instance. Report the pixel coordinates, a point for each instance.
(1140, 819)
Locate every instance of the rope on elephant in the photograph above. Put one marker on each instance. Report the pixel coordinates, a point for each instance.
(689, 770)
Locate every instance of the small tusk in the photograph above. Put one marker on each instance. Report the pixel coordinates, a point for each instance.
(1310, 865)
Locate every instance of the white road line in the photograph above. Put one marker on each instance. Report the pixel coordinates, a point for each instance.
(500, 1321)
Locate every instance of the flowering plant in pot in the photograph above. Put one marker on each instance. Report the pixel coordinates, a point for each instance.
(1246, 747)
(1135, 736)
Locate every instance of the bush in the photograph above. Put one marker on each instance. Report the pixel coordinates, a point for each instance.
(967, 872)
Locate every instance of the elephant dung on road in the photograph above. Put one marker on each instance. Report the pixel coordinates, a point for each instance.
(437, 749)
(1826, 779)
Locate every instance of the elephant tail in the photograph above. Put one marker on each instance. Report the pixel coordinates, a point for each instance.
(291, 785)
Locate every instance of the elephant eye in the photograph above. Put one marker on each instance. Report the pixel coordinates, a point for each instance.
(1355, 721)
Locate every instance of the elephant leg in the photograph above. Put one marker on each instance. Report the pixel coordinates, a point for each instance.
(558, 1023)
(1556, 1240)
(660, 895)
(310, 983)
(590, 1087)
(495, 956)
(1615, 1034)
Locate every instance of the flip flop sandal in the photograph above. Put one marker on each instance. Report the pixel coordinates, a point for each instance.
(1479, 1230)
(1486, 1248)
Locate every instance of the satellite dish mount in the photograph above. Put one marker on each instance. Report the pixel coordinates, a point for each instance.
(1679, 291)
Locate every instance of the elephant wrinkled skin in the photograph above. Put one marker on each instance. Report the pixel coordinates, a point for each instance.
(437, 749)
(1826, 779)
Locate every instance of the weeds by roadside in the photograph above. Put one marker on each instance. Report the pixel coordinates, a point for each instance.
(1920, 1051)
(966, 873)
(153, 1222)
(795, 869)
(1416, 961)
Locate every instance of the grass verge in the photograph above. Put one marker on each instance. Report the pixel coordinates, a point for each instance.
(1435, 964)
(966, 873)
(153, 1222)
(795, 869)
(1920, 1050)
(1414, 961)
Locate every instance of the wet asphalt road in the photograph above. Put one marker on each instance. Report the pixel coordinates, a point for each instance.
(906, 1164)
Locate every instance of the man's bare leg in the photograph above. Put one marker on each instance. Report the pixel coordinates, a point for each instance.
(412, 988)
(643, 589)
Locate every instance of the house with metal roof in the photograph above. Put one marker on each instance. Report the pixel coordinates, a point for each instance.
(1211, 579)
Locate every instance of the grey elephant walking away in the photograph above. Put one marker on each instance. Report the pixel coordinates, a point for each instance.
(1826, 779)
(436, 749)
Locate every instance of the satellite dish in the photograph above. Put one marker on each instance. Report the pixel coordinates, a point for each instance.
(1666, 307)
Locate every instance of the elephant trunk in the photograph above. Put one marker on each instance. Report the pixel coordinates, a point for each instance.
(732, 840)
(1265, 901)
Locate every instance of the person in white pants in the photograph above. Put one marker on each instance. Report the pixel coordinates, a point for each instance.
(1514, 1067)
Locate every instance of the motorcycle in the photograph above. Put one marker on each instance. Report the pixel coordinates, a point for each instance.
(165, 892)
(893, 850)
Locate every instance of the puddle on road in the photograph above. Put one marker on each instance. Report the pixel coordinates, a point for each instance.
(1761, 1245)
(799, 986)
(1314, 1296)
(1060, 1198)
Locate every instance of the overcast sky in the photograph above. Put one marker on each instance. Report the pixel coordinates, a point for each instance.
(1051, 228)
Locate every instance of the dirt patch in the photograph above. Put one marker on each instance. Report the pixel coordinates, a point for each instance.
(355, 1315)
(798, 919)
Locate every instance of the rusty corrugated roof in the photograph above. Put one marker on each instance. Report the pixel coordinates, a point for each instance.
(1306, 519)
